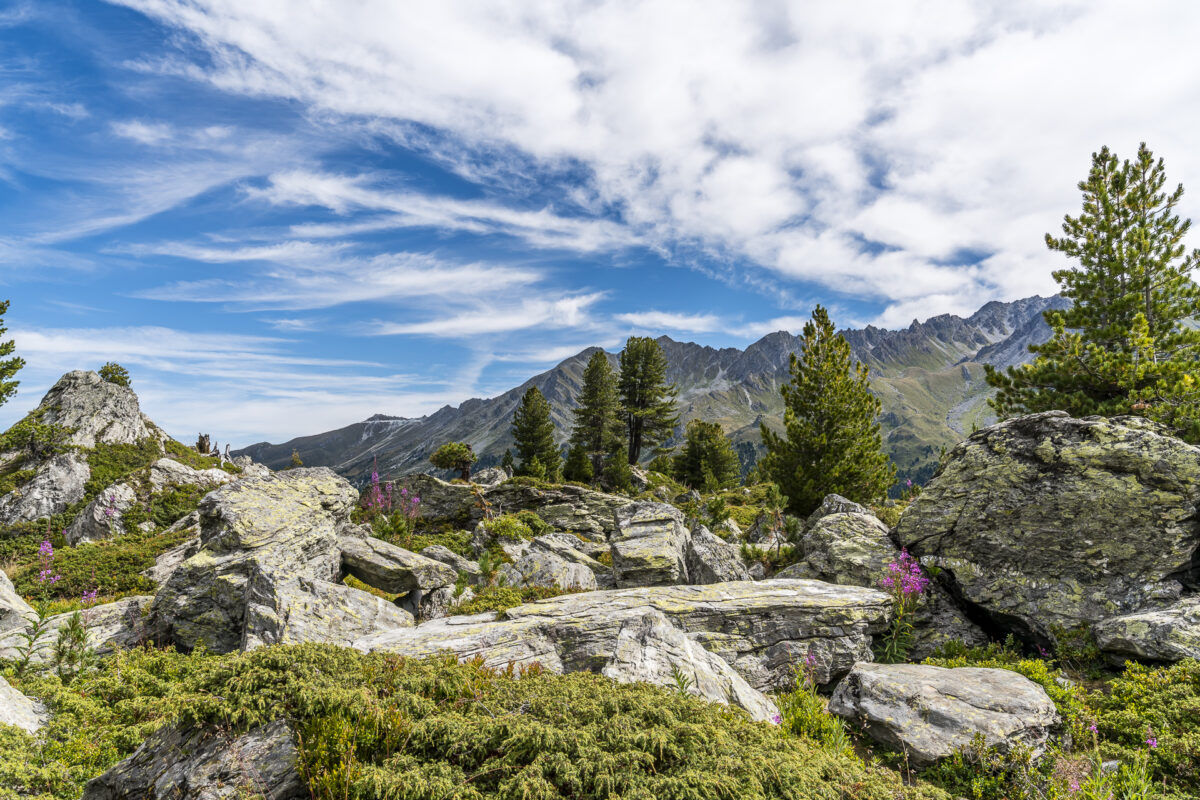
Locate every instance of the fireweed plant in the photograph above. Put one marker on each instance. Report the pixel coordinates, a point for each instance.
(391, 514)
(906, 582)
(32, 636)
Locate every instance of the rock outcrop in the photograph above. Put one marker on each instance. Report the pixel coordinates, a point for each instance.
(101, 518)
(1171, 633)
(169, 472)
(649, 548)
(96, 411)
(709, 559)
(545, 568)
(55, 486)
(14, 611)
(930, 712)
(761, 629)
(1047, 520)
(202, 764)
(110, 626)
(23, 712)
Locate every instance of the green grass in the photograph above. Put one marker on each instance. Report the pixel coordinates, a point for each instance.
(381, 726)
(502, 598)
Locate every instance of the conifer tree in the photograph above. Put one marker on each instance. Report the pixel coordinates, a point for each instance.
(9, 364)
(1126, 345)
(647, 400)
(832, 442)
(597, 428)
(457, 456)
(534, 435)
(578, 467)
(506, 463)
(707, 460)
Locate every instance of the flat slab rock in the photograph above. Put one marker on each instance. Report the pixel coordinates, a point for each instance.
(110, 626)
(760, 629)
(16, 709)
(1164, 634)
(930, 712)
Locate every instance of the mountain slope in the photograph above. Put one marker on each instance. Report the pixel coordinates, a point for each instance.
(929, 377)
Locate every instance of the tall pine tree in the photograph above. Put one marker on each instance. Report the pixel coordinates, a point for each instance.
(1126, 345)
(534, 435)
(647, 400)
(707, 460)
(832, 441)
(9, 364)
(597, 430)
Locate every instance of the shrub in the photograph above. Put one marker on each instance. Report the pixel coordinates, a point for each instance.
(456, 456)
(512, 526)
(114, 373)
(502, 598)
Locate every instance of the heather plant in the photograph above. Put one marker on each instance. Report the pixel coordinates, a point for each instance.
(906, 582)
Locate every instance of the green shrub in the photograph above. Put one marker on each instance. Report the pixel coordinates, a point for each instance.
(35, 438)
(510, 526)
(114, 373)
(190, 457)
(110, 463)
(502, 598)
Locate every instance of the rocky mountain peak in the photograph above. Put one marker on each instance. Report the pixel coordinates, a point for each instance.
(95, 410)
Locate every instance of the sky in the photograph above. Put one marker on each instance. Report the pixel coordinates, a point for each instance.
(283, 216)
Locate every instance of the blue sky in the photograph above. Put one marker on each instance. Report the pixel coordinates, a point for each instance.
(284, 217)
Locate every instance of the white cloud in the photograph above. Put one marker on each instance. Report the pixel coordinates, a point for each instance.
(672, 321)
(860, 146)
(144, 132)
(562, 312)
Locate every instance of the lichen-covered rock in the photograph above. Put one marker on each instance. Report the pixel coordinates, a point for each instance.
(930, 712)
(283, 610)
(459, 564)
(1048, 520)
(110, 626)
(56, 486)
(168, 562)
(762, 629)
(102, 518)
(568, 509)
(286, 523)
(541, 567)
(206, 764)
(1171, 633)
(490, 476)
(569, 549)
(834, 504)
(650, 545)
(23, 712)
(14, 611)
(96, 411)
(390, 568)
(710, 559)
(168, 472)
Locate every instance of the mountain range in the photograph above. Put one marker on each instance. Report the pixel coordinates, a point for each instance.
(929, 377)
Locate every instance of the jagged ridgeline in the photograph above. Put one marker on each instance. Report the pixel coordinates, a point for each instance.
(929, 377)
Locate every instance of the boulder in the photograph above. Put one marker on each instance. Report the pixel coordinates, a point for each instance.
(14, 611)
(567, 548)
(930, 712)
(1047, 520)
(834, 504)
(649, 547)
(206, 764)
(541, 567)
(110, 626)
(166, 564)
(96, 411)
(568, 509)
(285, 525)
(709, 559)
(20, 711)
(390, 568)
(761, 629)
(490, 476)
(57, 485)
(1171, 633)
(168, 472)
(282, 610)
(102, 518)
(459, 564)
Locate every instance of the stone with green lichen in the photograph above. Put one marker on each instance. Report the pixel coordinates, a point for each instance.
(1048, 520)
(1171, 633)
(110, 626)
(650, 546)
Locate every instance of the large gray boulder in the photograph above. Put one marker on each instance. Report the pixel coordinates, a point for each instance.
(930, 712)
(110, 626)
(96, 411)
(168, 472)
(283, 610)
(544, 568)
(710, 559)
(460, 564)
(204, 764)
(1047, 520)
(650, 546)
(761, 629)
(1171, 633)
(834, 504)
(284, 525)
(18, 710)
(568, 509)
(103, 517)
(56, 485)
(14, 611)
(390, 568)
(575, 551)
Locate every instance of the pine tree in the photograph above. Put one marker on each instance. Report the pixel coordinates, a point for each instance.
(534, 435)
(617, 475)
(296, 460)
(579, 466)
(707, 460)
(506, 463)
(832, 441)
(457, 456)
(597, 428)
(647, 400)
(9, 364)
(1125, 346)
(113, 372)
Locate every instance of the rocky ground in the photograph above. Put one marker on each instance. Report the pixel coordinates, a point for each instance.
(1075, 541)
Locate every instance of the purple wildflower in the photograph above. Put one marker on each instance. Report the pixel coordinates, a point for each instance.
(777, 720)
(905, 576)
(90, 598)
(1151, 739)
(1092, 727)
(1074, 786)
(46, 557)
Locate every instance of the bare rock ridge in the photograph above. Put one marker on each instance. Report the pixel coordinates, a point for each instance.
(929, 377)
